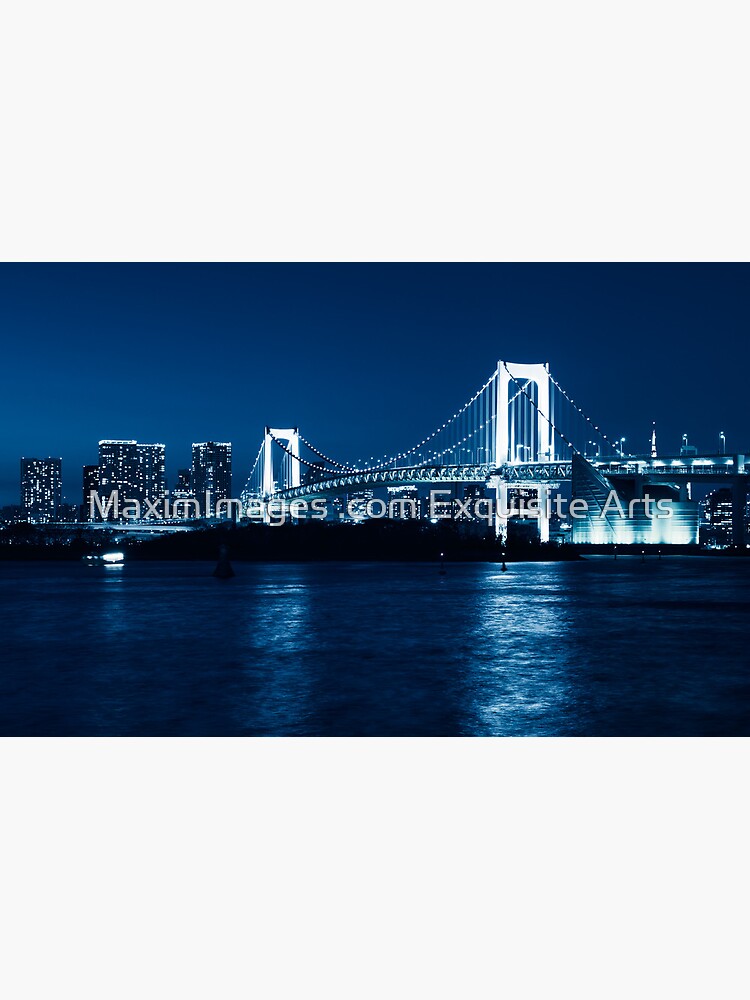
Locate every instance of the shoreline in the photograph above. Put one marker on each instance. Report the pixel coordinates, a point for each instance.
(372, 541)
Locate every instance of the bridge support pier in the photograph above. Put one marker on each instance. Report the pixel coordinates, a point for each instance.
(544, 493)
(501, 510)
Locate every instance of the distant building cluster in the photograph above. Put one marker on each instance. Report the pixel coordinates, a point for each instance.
(717, 518)
(133, 470)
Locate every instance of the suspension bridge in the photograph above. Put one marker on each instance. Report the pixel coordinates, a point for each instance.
(519, 428)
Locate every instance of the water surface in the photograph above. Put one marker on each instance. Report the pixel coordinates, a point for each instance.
(597, 647)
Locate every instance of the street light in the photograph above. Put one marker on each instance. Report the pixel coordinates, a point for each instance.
(622, 450)
(722, 443)
(596, 445)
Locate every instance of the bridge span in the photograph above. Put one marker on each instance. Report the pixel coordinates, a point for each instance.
(519, 428)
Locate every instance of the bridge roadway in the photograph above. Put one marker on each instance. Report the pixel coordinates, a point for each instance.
(670, 469)
(679, 468)
(428, 475)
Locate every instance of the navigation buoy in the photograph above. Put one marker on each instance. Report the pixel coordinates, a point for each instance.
(442, 564)
(504, 568)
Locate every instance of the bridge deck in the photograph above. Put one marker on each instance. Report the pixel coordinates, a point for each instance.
(668, 469)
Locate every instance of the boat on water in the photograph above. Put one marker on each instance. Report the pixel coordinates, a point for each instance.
(105, 558)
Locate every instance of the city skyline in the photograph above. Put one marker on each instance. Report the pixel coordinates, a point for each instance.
(198, 352)
(501, 429)
(142, 481)
(133, 469)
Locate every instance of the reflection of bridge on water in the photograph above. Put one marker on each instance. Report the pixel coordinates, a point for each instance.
(519, 429)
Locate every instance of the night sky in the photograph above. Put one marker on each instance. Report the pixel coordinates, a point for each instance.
(363, 358)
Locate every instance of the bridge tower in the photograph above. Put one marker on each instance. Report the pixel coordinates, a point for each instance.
(541, 449)
(290, 436)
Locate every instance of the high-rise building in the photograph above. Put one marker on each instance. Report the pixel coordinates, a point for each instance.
(151, 475)
(136, 471)
(212, 474)
(41, 488)
(118, 468)
(717, 509)
(90, 486)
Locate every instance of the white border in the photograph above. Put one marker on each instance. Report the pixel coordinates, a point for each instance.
(402, 131)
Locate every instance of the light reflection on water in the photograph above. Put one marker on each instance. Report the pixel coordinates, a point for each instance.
(595, 647)
(520, 680)
(274, 637)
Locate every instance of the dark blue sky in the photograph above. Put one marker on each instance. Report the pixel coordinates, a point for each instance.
(364, 358)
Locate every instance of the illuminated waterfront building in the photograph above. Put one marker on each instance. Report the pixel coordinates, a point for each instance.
(118, 468)
(90, 486)
(151, 476)
(211, 474)
(357, 505)
(136, 471)
(41, 488)
(616, 512)
(404, 502)
(717, 518)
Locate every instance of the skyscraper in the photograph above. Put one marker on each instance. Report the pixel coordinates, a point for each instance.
(151, 475)
(212, 474)
(41, 488)
(90, 485)
(136, 471)
(118, 468)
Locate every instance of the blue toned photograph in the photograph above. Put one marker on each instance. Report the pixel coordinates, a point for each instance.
(375, 500)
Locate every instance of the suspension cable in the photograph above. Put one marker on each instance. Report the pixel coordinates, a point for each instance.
(385, 460)
(303, 461)
(598, 430)
(252, 471)
(544, 415)
(326, 458)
